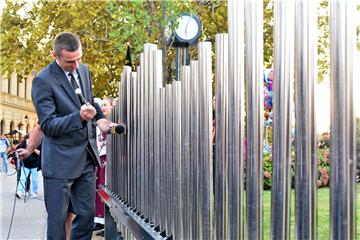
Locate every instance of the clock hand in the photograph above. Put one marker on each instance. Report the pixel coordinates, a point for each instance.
(186, 26)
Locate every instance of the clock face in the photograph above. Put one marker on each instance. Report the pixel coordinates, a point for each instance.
(188, 27)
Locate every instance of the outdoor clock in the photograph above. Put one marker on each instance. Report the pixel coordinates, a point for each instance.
(188, 30)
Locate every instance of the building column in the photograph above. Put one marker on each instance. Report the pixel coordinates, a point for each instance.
(13, 84)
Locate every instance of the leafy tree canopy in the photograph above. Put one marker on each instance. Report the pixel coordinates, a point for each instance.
(107, 27)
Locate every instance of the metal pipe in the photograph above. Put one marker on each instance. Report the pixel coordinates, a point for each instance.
(138, 141)
(305, 131)
(221, 99)
(236, 119)
(281, 155)
(176, 163)
(169, 158)
(194, 151)
(158, 78)
(133, 160)
(142, 135)
(254, 116)
(149, 126)
(185, 152)
(127, 113)
(205, 148)
(163, 170)
(343, 150)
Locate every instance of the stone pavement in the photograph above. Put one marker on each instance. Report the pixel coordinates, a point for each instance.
(29, 221)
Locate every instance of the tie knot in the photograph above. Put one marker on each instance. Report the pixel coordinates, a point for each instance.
(73, 82)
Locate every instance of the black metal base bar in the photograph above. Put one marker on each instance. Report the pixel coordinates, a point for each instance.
(128, 217)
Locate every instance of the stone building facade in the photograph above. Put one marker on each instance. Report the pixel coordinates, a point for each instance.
(17, 111)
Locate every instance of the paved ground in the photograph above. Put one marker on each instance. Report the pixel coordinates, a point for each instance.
(29, 221)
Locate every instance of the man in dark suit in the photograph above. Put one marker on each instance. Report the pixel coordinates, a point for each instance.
(69, 151)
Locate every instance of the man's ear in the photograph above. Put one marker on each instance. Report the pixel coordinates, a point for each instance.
(53, 54)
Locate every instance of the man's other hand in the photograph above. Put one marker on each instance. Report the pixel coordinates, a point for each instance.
(23, 153)
(87, 112)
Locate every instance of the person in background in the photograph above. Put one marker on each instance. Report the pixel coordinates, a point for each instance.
(29, 168)
(4, 147)
(99, 221)
(268, 105)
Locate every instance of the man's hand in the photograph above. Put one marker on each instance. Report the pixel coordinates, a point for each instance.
(106, 125)
(87, 112)
(23, 153)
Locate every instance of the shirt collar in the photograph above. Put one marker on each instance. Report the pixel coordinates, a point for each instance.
(66, 72)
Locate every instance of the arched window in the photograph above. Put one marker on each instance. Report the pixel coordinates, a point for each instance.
(2, 127)
(20, 126)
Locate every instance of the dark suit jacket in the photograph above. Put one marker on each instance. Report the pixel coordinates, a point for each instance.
(67, 140)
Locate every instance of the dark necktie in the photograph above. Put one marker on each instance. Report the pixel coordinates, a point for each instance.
(73, 81)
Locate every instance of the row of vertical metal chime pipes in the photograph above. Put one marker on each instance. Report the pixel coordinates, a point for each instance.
(164, 166)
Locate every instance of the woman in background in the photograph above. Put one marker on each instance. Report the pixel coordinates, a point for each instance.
(99, 220)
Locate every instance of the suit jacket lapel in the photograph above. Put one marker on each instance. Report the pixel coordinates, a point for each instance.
(64, 82)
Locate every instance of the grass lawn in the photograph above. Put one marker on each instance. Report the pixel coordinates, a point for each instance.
(323, 214)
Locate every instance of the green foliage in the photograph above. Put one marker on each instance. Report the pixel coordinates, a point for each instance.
(323, 40)
(268, 33)
(323, 213)
(33, 26)
(267, 168)
(107, 27)
(138, 22)
(323, 167)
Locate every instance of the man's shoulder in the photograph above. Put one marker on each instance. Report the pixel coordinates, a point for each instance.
(44, 72)
(83, 66)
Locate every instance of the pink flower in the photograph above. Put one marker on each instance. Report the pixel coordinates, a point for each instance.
(267, 174)
(318, 182)
(323, 171)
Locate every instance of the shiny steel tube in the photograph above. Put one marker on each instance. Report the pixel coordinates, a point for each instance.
(163, 170)
(281, 147)
(305, 131)
(177, 181)
(194, 150)
(145, 211)
(150, 48)
(205, 148)
(185, 152)
(127, 113)
(254, 116)
(142, 135)
(343, 150)
(138, 141)
(122, 141)
(145, 116)
(133, 139)
(169, 159)
(236, 119)
(221, 100)
(158, 78)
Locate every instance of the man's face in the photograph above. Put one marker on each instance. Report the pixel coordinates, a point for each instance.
(70, 61)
